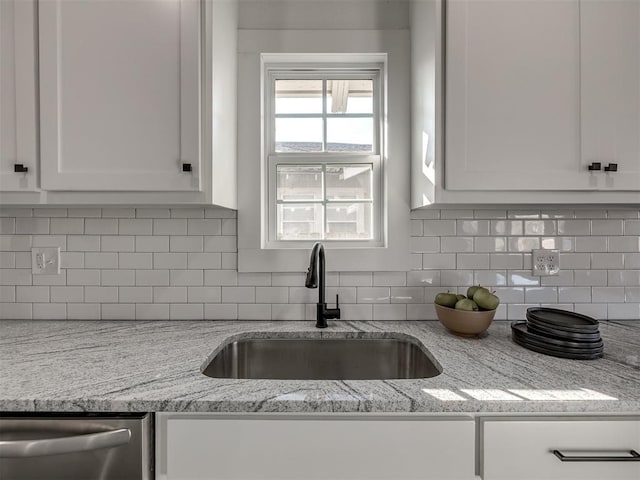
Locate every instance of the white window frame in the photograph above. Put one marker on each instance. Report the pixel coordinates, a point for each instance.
(323, 71)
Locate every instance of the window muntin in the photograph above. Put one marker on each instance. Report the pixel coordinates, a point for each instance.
(323, 149)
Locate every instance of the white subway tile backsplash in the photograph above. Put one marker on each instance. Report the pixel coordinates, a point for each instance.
(7, 226)
(83, 243)
(187, 212)
(473, 261)
(153, 213)
(152, 311)
(118, 311)
(135, 226)
(83, 311)
(173, 226)
(220, 311)
(49, 311)
(118, 277)
(10, 276)
(606, 227)
(144, 243)
(169, 260)
(100, 226)
(136, 261)
(117, 261)
(254, 311)
(32, 226)
(101, 294)
(623, 311)
(152, 278)
(396, 311)
(7, 260)
(169, 294)
(272, 295)
(67, 226)
(7, 294)
(30, 294)
(600, 261)
(238, 294)
(210, 260)
(117, 243)
(624, 244)
(407, 295)
(84, 212)
(130, 294)
(101, 260)
(203, 294)
(83, 277)
(186, 277)
(607, 294)
(209, 226)
(373, 295)
(590, 277)
(186, 311)
(16, 311)
(391, 279)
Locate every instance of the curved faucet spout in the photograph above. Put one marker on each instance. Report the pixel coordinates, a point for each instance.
(315, 279)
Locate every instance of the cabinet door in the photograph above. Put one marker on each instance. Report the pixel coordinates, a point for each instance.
(17, 96)
(120, 94)
(289, 447)
(523, 450)
(512, 96)
(610, 62)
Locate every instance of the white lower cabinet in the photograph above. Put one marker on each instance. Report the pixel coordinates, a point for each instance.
(524, 449)
(318, 447)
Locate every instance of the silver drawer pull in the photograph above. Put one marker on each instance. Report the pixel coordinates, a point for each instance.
(633, 457)
(57, 446)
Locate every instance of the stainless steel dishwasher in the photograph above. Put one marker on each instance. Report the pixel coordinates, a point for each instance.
(76, 446)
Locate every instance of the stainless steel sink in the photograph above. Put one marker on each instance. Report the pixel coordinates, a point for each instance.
(322, 359)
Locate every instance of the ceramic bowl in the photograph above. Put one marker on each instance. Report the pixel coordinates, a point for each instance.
(464, 323)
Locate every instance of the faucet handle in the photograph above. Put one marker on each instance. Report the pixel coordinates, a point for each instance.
(337, 302)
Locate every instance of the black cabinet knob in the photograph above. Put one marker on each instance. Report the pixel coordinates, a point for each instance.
(186, 167)
(20, 168)
(612, 167)
(595, 166)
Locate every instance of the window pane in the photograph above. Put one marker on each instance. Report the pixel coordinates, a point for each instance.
(299, 222)
(349, 182)
(298, 96)
(350, 96)
(298, 134)
(349, 221)
(299, 182)
(349, 134)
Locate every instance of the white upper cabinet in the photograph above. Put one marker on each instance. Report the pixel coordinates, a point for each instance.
(513, 96)
(120, 88)
(610, 64)
(18, 147)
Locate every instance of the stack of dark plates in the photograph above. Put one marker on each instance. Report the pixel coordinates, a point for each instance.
(559, 333)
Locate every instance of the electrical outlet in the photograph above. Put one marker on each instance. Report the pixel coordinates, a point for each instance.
(545, 262)
(45, 261)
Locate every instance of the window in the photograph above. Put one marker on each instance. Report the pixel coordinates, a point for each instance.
(323, 144)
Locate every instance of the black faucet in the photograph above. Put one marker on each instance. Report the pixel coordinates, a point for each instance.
(322, 312)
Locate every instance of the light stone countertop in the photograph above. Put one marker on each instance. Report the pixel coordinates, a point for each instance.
(109, 366)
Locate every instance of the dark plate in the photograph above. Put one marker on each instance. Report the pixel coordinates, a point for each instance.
(572, 356)
(563, 319)
(542, 329)
(520, 329)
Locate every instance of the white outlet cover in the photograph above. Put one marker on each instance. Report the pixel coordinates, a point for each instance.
(45, 260)
(545, 262)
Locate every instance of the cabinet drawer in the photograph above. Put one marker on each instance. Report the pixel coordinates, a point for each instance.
(328, 448)
(523, 450)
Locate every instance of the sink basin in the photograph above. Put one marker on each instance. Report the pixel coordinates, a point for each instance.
(322, 359)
